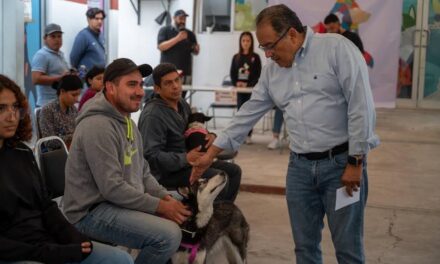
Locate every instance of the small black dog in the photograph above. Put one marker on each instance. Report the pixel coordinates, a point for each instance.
(196, 132)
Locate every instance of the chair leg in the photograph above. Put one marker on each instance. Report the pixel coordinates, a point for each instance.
(213, 117)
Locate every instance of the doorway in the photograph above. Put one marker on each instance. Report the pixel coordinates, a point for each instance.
(419, 63)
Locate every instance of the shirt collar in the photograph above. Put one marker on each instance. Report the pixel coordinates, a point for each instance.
(93, 32)
(52, 51)
(306, 43)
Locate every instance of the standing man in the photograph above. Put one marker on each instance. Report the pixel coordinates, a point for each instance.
(177, 44)
(320, 83)
(88, 48)
(333, 25)
(163, 123)
(110, 193)
(49, 65)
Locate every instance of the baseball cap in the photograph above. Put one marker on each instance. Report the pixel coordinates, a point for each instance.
(52, 28)
(180, 12)
(92, 12)
(123, 66)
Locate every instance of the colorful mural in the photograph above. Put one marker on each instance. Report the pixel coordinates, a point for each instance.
(404, 84)
(245, 13)
(351, 16)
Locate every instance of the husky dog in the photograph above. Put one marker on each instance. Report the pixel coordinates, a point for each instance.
(196, 132)
(216, 232)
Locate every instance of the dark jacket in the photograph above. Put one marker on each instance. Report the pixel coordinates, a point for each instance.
(162, 130)
(88, 50)
(245, 68)
(31, 225)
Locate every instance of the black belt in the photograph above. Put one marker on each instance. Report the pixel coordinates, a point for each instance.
(325, 154)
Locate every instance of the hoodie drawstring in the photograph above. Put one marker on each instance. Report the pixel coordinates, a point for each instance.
(130, 137)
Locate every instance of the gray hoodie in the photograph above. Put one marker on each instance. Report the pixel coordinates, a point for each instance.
(106, 163)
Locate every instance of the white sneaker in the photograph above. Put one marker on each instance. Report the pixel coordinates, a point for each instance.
(248, 141)
(274, 144)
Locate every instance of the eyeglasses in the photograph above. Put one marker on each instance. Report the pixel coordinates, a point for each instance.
(272, 46)
(12, 109)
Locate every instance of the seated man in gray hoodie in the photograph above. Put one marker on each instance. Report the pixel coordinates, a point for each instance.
(162, 123)
(110, 193)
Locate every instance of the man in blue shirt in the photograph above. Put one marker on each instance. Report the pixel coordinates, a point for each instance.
(49, 65)
(320, 82)
(88, 48)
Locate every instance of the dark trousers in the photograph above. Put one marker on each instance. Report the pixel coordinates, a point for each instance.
(229, 193)
(241, 99)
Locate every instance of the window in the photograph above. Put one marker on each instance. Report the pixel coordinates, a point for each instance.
(216, 16)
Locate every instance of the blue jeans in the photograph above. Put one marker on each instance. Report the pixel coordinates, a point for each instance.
(157, 238)
(101, 254)
(311, 193)
(277, 121)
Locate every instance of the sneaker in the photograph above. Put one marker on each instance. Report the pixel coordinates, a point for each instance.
(248, 141)
(274, 144)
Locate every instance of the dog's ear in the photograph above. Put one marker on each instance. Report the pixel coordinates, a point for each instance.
(184, 191)
(207, 118)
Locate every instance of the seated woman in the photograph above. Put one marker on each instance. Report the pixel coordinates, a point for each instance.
(57, 118)
(94, 80)
(32, 228)
(245, 69)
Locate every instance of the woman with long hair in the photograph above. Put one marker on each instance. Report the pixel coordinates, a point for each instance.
(32, 228)
(245, 69)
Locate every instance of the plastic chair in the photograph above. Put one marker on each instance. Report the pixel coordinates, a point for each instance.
(52, 165)
(37, 122)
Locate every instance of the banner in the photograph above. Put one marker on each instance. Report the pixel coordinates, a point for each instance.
(378, 24)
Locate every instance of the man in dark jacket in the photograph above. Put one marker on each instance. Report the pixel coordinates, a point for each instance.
(163, 123)
(88, 49)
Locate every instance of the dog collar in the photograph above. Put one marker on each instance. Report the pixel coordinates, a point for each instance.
(193, 248)
(192, 233)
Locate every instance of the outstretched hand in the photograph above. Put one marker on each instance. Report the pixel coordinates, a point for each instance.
(210, 137)
(193, 155)
(199, 167)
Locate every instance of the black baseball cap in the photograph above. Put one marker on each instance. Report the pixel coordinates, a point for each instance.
(180, 12)
(123, 66)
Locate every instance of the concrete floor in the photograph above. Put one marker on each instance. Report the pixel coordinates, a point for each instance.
(402, 222)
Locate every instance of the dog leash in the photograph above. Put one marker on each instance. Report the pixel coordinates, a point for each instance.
(193, 248)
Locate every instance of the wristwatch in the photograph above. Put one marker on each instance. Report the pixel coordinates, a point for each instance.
(355, 160)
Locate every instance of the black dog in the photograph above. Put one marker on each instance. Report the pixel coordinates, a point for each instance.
(196, 132)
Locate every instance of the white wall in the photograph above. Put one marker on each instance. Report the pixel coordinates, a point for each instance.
(139, 42)
(70, 16)
(12, 44)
